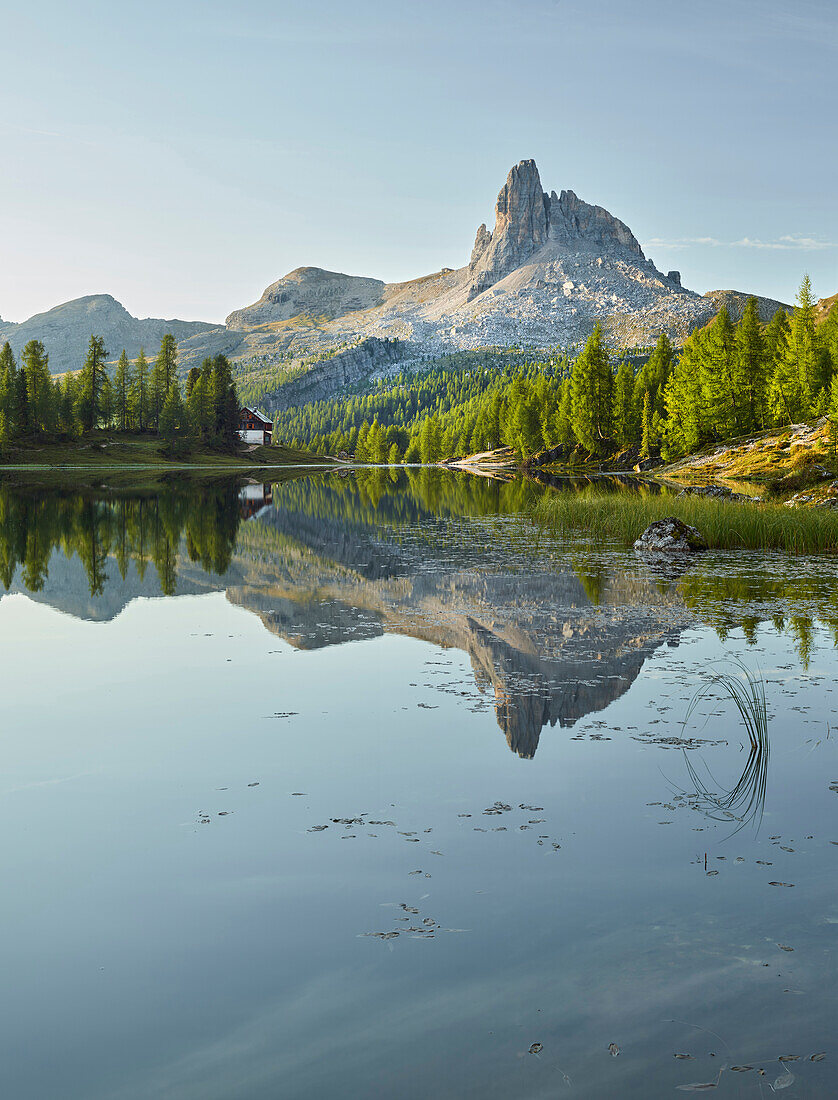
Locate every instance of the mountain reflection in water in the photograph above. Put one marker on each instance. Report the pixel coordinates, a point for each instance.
(554, 632)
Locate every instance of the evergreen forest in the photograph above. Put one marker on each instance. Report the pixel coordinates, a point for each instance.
(143, 396)
(729, 379)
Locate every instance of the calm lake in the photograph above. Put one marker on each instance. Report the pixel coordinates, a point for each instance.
(356, 786)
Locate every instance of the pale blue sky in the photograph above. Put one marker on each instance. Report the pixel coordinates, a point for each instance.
(183, 155)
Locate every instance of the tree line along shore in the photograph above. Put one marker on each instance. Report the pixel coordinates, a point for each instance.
(728, 380)
(141, 397)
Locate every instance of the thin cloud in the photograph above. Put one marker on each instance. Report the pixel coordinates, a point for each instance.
(680, 242)
(787, 243)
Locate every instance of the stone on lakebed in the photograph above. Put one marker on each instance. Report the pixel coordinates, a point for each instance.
(670, 536)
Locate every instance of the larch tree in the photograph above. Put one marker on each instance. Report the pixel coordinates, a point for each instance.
(163, 377)
(625, 428)
(719, 384)
(591, 394)
(802, 350)
(751, 368)
(122, 383)
(140, 393)
(646, 426)
(683, 400)
(39, 391)
(191, 379)
(174, 422)
(94, 377)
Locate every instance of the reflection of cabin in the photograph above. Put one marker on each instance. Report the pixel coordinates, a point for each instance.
(254, 427)
(253, 498)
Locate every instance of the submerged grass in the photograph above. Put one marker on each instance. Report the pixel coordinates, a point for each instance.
(623, 517)
(744, 801)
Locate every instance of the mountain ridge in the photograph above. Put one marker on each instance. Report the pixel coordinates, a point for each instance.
(65, 330)
(551, 266)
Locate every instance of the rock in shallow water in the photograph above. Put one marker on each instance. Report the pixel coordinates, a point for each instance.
(670, 536)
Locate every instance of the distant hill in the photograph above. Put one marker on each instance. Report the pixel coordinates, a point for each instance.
(65, 331)
(825, 306)
(735, 301)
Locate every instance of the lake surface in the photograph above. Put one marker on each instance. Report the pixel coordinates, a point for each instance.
(357, 786)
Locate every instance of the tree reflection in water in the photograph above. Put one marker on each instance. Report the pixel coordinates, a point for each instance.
(130, 527)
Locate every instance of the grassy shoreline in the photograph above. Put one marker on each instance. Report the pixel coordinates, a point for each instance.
(622, 517)
(131, 459)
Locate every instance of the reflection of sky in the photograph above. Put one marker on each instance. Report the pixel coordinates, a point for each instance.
(150, 956)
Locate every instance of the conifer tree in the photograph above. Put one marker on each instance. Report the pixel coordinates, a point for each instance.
(140, 394)
(67, 403)
(829, 337)
(226, 402)
(564, 421)
(591, 394)
(122, 385)
(720, 391)
(106, 403)
(685, 414)
(38, 385)
(804, 348)
(786, 398)
(201, 409)
(625, 430)
(526, 427)
(21, 415)
(7, 358)
(653, 377)
(361, 443)
(646, 421)
(173, 419)
(751, 368)
(94, 377)
(833, 422)
(165, 367)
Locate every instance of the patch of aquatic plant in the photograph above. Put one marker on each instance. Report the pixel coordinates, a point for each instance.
(745, 800)
(623, 517)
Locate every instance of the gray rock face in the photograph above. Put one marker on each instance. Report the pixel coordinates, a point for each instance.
(521, 227)
(65, 331)
(526, 219)
(481, 242)
(674, 277)
(670, 536)
(341, 370)
(582, 227)
(309, 291)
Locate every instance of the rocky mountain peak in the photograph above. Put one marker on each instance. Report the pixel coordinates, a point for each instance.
(580, 225)
(521, 228)
(527, 220)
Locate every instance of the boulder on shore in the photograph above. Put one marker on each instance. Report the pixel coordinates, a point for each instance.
(670, 536)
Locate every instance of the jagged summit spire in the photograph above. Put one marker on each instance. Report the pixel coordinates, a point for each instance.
(527, 219)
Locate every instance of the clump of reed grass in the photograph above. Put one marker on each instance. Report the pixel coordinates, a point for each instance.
(620, 518)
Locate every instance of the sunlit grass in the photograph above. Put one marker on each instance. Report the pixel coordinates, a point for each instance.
(622, 517)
